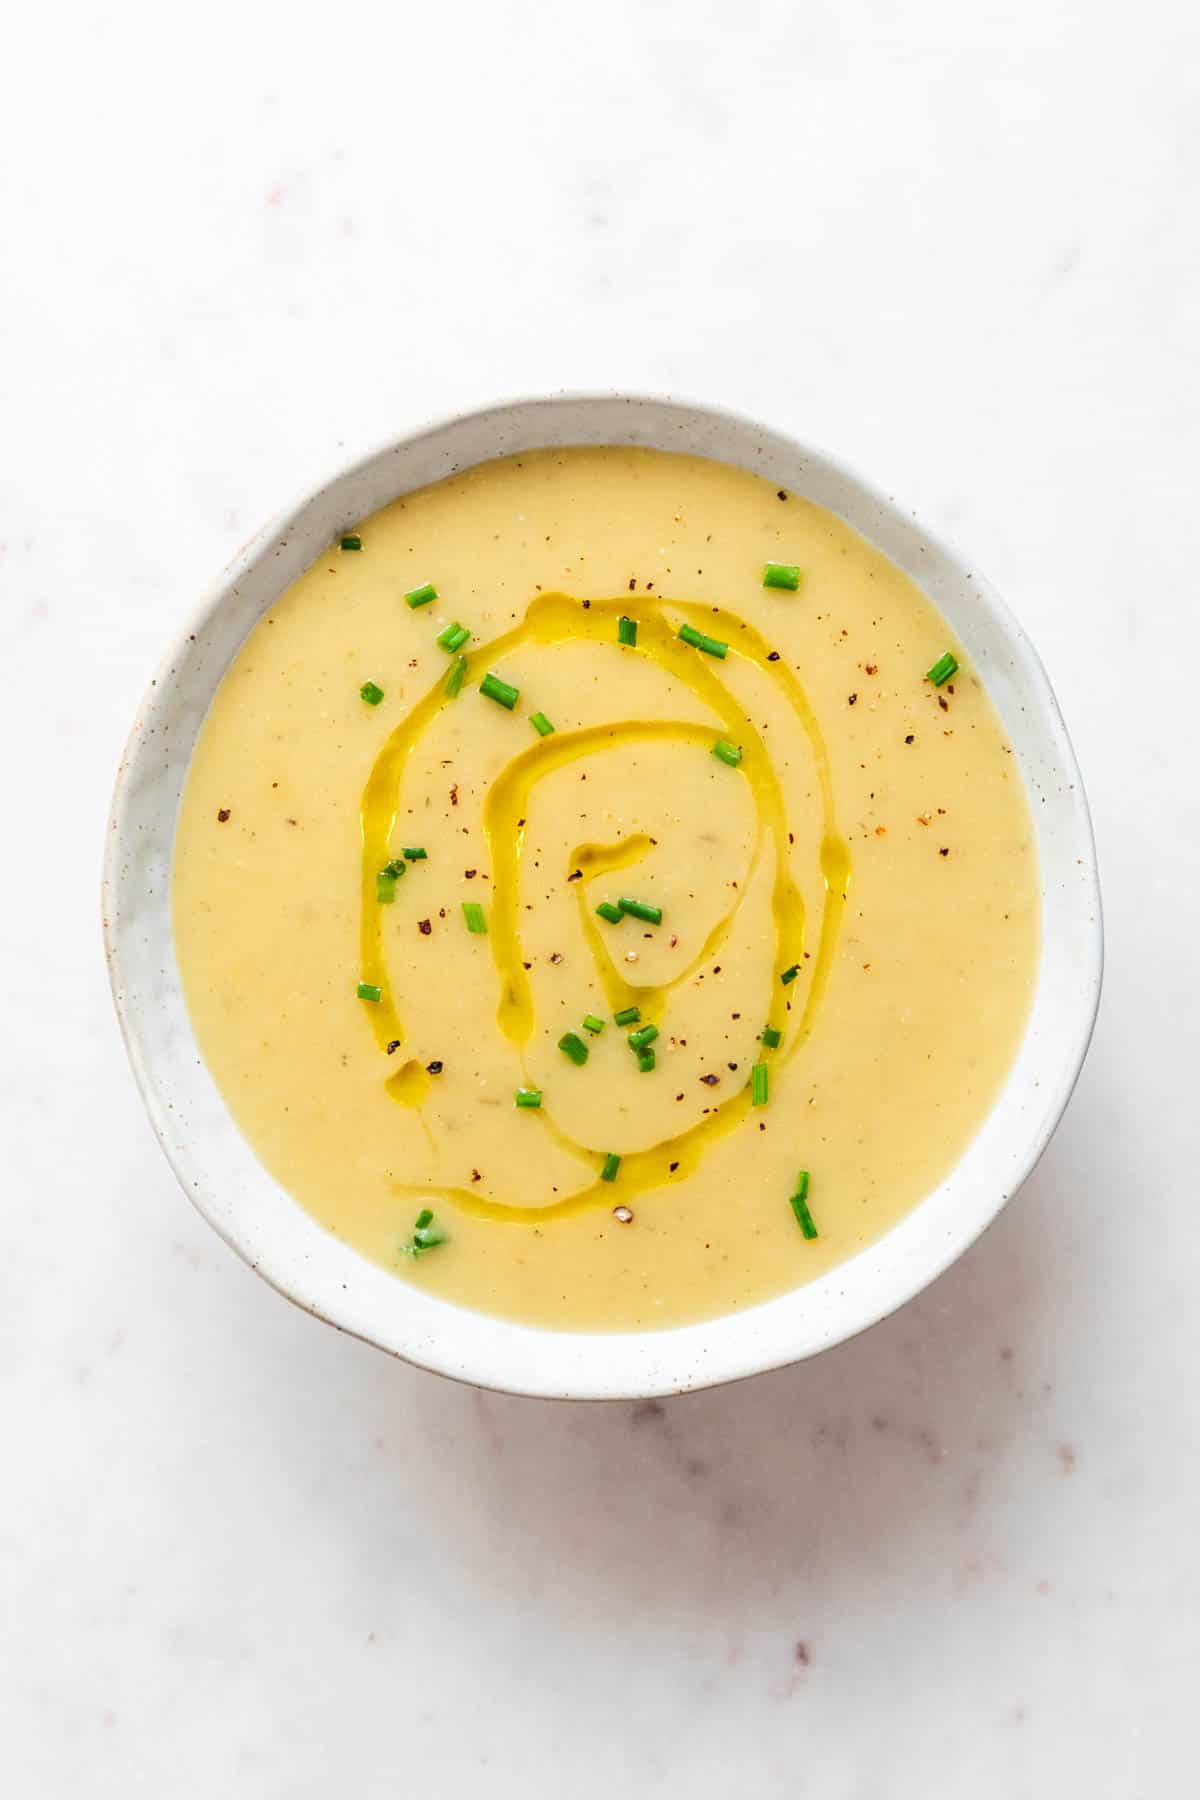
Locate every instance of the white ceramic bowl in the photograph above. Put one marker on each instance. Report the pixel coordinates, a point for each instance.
(278, 1239)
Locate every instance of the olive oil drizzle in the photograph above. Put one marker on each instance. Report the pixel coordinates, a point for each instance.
(554, 619)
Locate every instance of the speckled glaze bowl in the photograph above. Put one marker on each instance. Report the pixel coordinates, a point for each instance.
(296, 1255)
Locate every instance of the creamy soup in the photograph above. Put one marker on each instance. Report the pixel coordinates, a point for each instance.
(604, 893)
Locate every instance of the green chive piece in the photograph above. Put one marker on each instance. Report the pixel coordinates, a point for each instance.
(367, 991)
(646, 1034)
(352, 541)
(727, 752)
(573, 1046)
(426, 1236)
(452, 637)
(799, 1204)
(529, 1096)
(592, 1023)
(645, 1061)
(385, 882)
(500, 691)
(758, 1085)
(789, 975)
(612, 1163)
(711, 646)
(422, 596)
(641, 909)
(473, 914)
(454, 679)
(630, 1016)
(771, 1038)
(370, 693)
(626, 630)
(414, 853)
(782, 575)
(945, 666)
(606, 910)
(541, 724)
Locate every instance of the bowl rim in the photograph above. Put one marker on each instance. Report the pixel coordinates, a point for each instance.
(470, 1346)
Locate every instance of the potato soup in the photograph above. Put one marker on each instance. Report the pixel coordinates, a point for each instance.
(604, 892)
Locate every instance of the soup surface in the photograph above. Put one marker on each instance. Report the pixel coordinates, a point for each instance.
(821, 843)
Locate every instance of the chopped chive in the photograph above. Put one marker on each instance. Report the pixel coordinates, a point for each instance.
(645, 1061)
(529, 1096)
(639, 1039)
(473, 914)
(370, 693)
(541, 724)
(781, 575)
(630, 1016)
(454, 679)
(351, 541)
(414, 853)
(711, 646)
(626, 630)
(573, 1046)
(758, 1085)
(500, 691)
(367, 991)
(421, 596)
(452, 637)
(606, 910)
(426, 1235)
(641, 909)
(385, 882)
(727, 752)
(945, 666)
(771, 1038)
(790, 975)
(612, 1163)
(799, 1204)
(592, 1023)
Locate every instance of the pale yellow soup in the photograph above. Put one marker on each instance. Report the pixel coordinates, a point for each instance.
(874, 838)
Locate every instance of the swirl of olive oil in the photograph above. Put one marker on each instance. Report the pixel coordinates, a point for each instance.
(555, 619)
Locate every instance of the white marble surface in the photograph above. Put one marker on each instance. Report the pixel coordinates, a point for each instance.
(240, 1556)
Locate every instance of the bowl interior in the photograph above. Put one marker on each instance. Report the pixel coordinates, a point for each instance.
(277, 1238)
